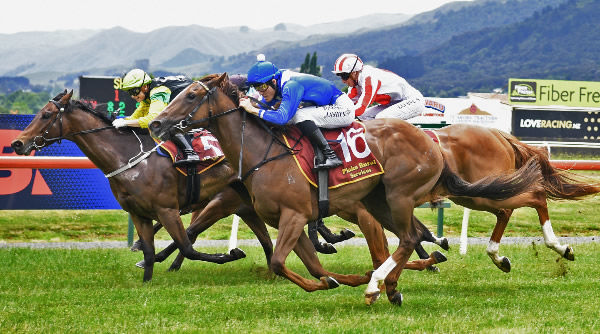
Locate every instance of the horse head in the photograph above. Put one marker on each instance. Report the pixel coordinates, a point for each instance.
(46, 126)
(194, 106)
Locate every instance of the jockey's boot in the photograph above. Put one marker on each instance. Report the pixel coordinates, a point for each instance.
(189, 155)
(314, 134)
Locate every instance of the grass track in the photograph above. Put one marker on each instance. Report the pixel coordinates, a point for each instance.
(100, 291)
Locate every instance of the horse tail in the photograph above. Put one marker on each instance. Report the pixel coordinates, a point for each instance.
(498, 188)
(558, 183)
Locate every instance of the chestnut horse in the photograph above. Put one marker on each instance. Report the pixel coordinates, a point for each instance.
(475, 152)
(415, 172)
(153, 190)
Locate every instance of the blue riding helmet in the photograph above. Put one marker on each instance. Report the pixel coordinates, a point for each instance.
(261, 72)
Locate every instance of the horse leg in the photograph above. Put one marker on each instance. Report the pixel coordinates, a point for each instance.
(502, 262)
(549, 238)
(306, 253)
(259, 228)
(137, 245)
(291, 227)
(321, 247)
(331, 237)
(172, 222)
(145, 233)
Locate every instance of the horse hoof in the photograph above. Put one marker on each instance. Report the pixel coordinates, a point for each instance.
(141, 264)
(237, 253)
(347, 234)
(433, 269)
(396, 299)
(504, 265)
(331, 282)
(371, 298)
(137, 246)
(174, 267)
(326, 248)
(569, 255)
(439, 257)
(444, 244)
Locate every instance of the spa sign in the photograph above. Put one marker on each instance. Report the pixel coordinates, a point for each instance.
(554, 92)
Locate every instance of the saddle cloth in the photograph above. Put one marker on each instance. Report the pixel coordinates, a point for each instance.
(348, 143)
(205, 145)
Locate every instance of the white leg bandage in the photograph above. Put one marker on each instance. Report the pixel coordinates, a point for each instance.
(380, 274)
(551, 239)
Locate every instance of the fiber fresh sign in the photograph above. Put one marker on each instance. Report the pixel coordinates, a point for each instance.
(554, 92)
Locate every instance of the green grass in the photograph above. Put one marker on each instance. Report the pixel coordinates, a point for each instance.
(100, 291)
(573, 218)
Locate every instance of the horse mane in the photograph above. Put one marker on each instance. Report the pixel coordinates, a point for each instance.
(228, 88)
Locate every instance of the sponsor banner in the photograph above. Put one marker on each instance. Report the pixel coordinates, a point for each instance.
(29, 189)
(556, 125)
(554, 92)
(475, 110)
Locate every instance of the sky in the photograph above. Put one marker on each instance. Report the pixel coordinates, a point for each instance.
(147, 15)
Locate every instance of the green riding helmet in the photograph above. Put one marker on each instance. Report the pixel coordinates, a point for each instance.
(134, 79)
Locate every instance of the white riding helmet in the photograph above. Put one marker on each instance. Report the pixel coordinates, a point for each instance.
(347, 63)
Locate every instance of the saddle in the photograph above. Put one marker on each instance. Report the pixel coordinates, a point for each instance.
(208, 149)
(350, 145)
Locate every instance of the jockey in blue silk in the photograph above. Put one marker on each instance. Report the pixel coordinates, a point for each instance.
(283, 91)
(153, 96)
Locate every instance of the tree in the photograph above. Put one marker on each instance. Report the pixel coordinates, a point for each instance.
(310, 65)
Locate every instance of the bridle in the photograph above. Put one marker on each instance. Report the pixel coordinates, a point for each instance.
(187, 122)
(44, 141)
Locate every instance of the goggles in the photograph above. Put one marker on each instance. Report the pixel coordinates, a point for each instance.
(261, 87)
(344, 75)
(134, 91)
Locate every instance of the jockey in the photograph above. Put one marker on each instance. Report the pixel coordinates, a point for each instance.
(282, 92)
(153, 95)
(396, 98)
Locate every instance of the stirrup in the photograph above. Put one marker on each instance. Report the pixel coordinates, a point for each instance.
(190, 159)
(329, 163)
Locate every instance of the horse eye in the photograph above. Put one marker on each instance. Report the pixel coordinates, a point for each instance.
(191, 96)
(46, 115)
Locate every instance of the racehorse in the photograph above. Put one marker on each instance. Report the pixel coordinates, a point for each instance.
(415, 172)
(149, 190)
(475, 152)
(153, 190)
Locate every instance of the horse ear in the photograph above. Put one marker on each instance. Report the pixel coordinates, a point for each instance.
(65, 99)
(223, 79)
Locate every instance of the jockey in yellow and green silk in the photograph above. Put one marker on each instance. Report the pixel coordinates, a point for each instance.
(153, 96)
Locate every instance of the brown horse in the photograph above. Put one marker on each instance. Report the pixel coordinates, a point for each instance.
(150, 190)
(157, 187)
(475, 152)
(415, 172)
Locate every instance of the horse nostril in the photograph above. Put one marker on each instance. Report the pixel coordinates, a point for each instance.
(17, 143)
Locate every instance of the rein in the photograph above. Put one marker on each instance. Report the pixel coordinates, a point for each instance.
(44, 141)
(61, 109)
(187, 122)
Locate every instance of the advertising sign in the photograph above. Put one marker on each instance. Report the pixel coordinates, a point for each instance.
(554, 92)
(474, 110)
(541, 124)
(30, 189)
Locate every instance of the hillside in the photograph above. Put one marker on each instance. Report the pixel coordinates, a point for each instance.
(556, 43)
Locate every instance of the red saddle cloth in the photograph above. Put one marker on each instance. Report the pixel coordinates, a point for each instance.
(349, 144)
(205, 145)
